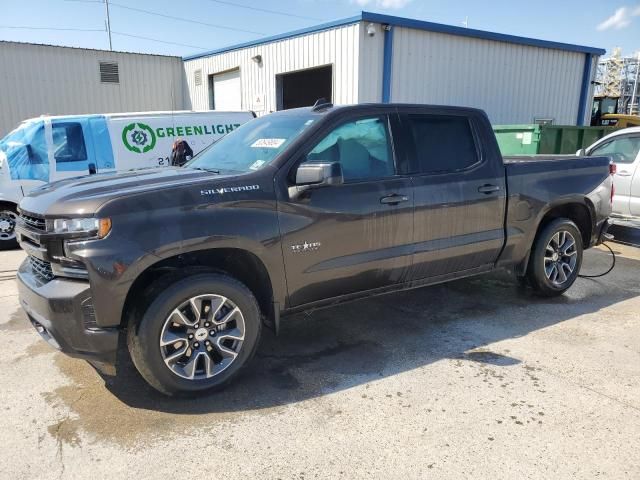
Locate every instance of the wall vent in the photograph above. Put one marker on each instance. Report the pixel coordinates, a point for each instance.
(197, 77)
(109, 72)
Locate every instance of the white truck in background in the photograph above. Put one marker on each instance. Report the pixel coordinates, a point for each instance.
(49, 148)
(623, 146)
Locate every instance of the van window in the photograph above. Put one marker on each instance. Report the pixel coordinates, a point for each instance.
(68, 143)
(362, 147)
(26, 151)
(443, 143)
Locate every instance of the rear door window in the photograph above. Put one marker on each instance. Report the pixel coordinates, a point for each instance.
(443, 143)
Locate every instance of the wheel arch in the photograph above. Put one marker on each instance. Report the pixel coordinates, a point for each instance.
(579, 211)
(238, 263)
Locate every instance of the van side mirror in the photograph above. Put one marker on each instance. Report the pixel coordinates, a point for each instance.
(581, 153)
(319, 173)
(92, 169)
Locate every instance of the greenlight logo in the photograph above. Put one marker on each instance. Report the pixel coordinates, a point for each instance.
(138, 137)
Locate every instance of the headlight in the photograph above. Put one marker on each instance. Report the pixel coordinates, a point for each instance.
(98, 226)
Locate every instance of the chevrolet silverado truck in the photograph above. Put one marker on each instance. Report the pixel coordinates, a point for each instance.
(294, 210)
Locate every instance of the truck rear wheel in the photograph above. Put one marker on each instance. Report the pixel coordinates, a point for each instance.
(556, 258)
(196, 334)
(8, 218)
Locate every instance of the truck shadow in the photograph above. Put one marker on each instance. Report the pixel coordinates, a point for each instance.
(333, 349)
(627, 235)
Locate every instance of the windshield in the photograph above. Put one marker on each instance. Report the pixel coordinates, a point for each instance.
(253, 145)
(26, 151)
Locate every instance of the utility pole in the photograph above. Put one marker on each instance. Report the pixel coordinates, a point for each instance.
(106, 4)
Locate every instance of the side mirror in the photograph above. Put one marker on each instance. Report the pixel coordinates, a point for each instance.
(313, 174)
(319, 173)
(581, 153)
(92, 169)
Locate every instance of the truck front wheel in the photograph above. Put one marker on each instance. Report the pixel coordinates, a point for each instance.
(196, 334)
(8, 217)
(556, 258)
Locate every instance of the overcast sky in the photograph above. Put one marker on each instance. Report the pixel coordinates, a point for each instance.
(193, 26)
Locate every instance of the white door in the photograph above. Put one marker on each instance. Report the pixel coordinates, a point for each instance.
(623, 149)
(226, 91)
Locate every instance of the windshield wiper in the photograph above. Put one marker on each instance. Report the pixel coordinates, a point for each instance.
(210, 170)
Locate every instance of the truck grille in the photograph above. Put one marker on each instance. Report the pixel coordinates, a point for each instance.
(33, 222)
(41, 268)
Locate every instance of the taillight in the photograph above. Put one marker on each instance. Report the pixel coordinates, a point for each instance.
(612, 168)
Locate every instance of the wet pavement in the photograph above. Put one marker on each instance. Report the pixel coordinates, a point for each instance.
(473, 378)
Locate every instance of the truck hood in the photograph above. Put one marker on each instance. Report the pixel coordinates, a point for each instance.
(84, 195)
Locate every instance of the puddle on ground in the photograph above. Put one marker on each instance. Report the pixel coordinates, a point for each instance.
(126, 411)
(17, 321)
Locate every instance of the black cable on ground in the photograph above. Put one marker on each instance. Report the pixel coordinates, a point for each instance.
(613, 264)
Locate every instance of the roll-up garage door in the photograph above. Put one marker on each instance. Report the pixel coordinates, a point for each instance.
(226, 91)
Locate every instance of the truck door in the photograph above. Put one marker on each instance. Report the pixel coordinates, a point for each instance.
(623, 150)
(355, 236)
(459, 195)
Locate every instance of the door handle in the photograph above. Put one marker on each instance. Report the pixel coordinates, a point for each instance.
(488, 188)
(624, 173)
(394, 199)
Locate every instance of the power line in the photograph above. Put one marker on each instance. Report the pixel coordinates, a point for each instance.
(275, 12)
(100, 30)
(156, 40)
(171, 17)
(181, 19)
(18, 27)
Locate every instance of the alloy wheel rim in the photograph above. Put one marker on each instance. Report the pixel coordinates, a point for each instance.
(202, 337)
(560, 257)
(8, 225)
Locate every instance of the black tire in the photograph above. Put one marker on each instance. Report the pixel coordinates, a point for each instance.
(8, 212)
(143, 335)
(536, 273)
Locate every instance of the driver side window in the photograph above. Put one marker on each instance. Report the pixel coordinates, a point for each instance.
(69, 149)
(622, 150)
(362, 147)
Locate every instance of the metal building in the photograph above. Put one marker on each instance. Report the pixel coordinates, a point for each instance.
(45, 79)
(381, 58)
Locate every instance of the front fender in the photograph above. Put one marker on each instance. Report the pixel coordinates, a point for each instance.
(141, 239)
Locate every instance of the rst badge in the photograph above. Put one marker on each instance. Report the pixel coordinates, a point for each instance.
(305, 247)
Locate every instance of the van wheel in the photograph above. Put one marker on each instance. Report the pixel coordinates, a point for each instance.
(556, 258)
(196, 335)
(8, 218)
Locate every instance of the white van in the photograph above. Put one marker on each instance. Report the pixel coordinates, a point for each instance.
(50, 148)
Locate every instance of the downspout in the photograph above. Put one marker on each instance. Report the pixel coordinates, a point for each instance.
(387, 61)
(584, 90)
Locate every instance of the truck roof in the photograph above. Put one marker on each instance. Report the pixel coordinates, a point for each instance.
(328, 107)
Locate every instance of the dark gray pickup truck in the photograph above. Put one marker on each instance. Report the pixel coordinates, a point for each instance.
(294, 210)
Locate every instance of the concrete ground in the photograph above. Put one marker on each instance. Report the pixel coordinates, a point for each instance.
(476, 378)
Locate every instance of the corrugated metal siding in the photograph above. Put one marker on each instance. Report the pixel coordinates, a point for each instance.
(337, 47)
(513, 83)
(42, 79)
(370, 65)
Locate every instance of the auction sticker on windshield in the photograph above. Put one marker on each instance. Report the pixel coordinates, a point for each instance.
(268, 143)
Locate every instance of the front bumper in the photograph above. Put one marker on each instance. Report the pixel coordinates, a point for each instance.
(61, 310)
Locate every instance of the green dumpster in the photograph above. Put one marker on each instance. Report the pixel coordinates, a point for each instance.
(546, 139)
